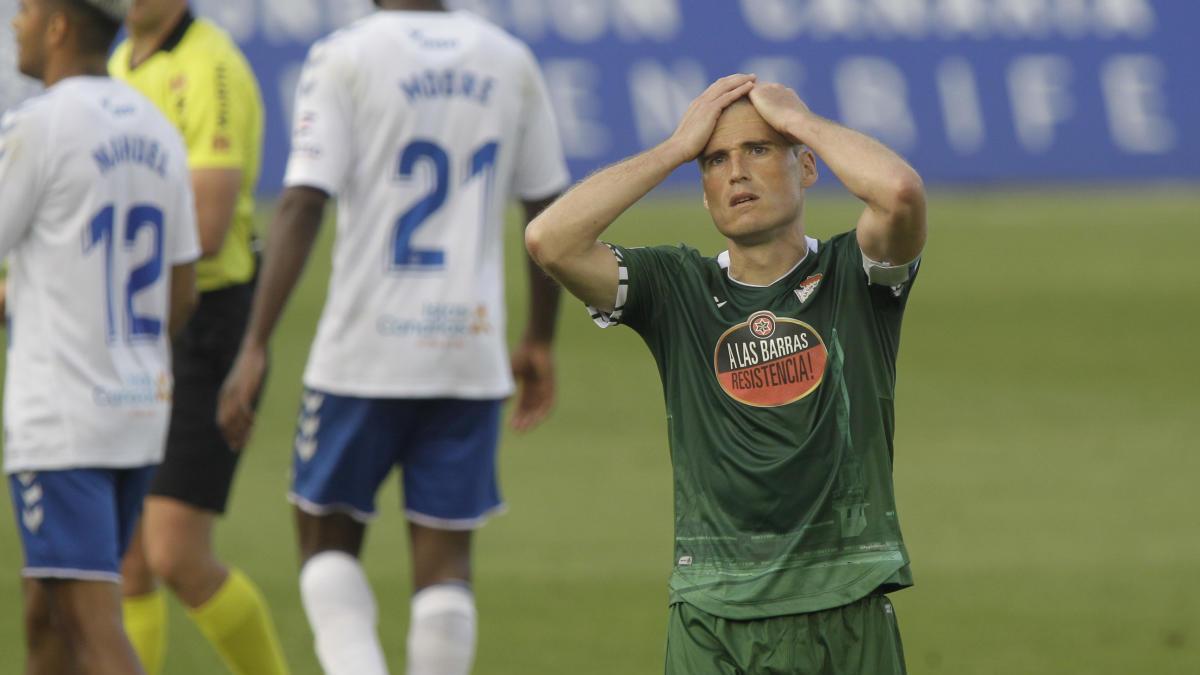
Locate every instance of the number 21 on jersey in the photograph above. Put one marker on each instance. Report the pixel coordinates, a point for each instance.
(405, 256)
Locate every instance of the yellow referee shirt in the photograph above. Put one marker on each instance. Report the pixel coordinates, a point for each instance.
(201, 81)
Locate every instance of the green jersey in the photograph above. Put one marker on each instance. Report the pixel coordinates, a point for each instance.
(780, 423)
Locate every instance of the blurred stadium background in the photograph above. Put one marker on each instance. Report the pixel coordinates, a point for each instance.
(1047, 402)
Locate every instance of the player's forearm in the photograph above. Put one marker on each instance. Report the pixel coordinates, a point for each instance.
(289, 243)
(544, 292)
(544, 295)
(184, 298)
(572, 224)
(869, 169)
(217, 193)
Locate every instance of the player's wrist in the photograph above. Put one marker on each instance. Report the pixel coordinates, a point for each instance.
(673, 153)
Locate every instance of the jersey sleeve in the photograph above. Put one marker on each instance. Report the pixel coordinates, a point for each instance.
(218, 112)
(181, 244)
(541, 170)
(644, 286)
(184, 244)
(321, 128)
(22, 143)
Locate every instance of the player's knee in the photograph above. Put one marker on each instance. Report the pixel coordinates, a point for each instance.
(136, 576)
(177, 567)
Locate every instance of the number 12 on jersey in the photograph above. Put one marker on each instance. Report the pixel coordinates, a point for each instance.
(406, 257)
(101, 231)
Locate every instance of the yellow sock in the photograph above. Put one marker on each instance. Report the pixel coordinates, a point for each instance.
(236, 622)
(146, 626)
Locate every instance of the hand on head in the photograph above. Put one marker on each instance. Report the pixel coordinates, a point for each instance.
(778, 105)
(698, 122)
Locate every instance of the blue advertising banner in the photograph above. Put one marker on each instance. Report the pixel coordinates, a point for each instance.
(970, 91)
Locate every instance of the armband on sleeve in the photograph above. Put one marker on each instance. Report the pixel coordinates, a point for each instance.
(887, 274)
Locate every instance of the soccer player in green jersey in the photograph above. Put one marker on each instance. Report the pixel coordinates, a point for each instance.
(777, 359)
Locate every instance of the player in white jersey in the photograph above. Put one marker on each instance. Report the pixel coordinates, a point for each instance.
(99, 233)
(422, 124)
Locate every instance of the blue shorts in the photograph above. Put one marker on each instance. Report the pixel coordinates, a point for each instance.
(446, 448)
(77, 523)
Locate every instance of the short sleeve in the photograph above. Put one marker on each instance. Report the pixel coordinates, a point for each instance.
(218, 115)
(21, 146)
(183, 241)
(321, 128)
(643, 286)
(541, 170)
(888, 285)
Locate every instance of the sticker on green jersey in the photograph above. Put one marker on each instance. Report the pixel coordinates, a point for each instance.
(769, 361)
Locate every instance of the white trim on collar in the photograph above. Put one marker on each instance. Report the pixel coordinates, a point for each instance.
(723, 261)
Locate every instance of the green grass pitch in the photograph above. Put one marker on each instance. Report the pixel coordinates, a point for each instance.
(1046, 464)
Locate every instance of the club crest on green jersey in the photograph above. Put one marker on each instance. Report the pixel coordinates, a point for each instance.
(769, 361)
(807, 287)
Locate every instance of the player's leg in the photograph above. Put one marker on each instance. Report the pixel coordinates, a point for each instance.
(192, 489)
(450, 489)
(442, 623)
(45, 637)
(74, 526)
(144, 606)
(89, 614)
(344, 449)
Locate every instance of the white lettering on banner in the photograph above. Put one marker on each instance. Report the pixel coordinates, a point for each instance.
(960, 105)
(1130, 17)
(784, 20)
(660, 96)
(1072, 17)
(239, 18)
(832, 18)
(585, 21)
(898, 18)
(788, 72)
(776, 20)
(289, 21)
(873, 98)
(573, 84)
(962, 18)
(580, 21)
(282, 21)
(1023, 18)
(1133, 87)
(1038, 89)
(660, 20)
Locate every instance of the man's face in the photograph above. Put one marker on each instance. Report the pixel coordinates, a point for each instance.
(30, 27)
(149, 15)
(753, 177)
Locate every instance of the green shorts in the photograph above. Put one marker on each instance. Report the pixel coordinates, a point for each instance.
(861, 638)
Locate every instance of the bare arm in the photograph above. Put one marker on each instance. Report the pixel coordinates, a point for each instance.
(217, 193)
(563, 239)
(533, 359)
(892, 227)
(183, 297)
(289, 243)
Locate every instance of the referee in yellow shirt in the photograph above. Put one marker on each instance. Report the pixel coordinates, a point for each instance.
(200, 80)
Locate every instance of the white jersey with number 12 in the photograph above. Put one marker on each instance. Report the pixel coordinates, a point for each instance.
(95, 209)
(423, 125)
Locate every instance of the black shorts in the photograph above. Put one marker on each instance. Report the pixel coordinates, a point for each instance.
(199, 465)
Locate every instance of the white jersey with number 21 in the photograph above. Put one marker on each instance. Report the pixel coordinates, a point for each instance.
(95, 209)
(423, 125)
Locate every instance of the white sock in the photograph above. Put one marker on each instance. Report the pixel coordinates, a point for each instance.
(342, 613)
(441, 636)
